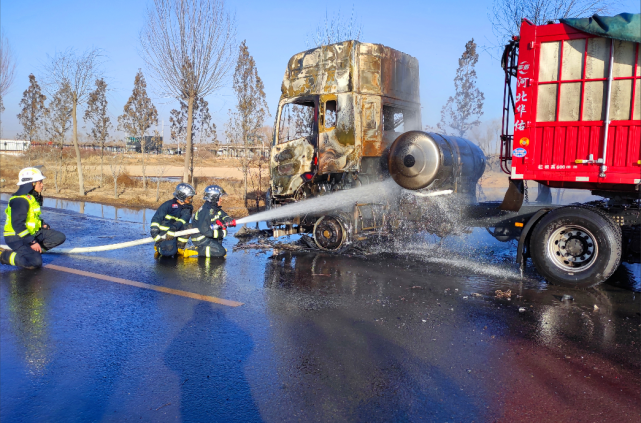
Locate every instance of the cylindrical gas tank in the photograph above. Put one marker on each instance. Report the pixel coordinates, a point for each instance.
(428, 160)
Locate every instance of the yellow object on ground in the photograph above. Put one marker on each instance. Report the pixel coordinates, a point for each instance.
(188, 252)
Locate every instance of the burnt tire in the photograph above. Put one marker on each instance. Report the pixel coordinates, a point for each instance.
(329, 233)
(576, 246)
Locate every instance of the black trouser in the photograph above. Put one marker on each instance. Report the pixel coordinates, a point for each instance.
(167, 248)
(210, 247)
(24, 255)
(170, 247)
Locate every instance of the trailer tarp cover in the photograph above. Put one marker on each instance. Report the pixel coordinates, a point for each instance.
(625, 26)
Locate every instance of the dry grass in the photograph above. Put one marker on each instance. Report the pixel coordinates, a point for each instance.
(131, 193)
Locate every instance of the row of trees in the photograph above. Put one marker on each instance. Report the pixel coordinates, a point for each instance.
(53, 120)
(188, 46)
(56, 118)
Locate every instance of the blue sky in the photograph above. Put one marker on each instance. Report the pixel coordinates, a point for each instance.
(435, 32)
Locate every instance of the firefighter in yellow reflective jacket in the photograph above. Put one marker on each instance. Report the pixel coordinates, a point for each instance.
(173, 216)
(24, 231)
(212, 223)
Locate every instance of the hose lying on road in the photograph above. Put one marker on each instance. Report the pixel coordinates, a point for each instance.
(111, 246)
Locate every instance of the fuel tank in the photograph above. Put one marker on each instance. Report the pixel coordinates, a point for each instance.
(433, 161)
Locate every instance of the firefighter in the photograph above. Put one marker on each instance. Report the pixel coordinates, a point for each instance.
(173, 216)
(25, 232)
(212, 223)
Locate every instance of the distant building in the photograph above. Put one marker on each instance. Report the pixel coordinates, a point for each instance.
(152, 144)
(14, 145)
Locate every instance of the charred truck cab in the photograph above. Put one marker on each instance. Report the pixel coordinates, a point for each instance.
(341, 107)
(342, 110)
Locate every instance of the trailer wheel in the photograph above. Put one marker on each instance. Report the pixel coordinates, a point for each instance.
(576, 246)
(329, 233)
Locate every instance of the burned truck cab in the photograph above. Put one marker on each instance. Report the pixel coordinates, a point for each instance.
(341, 107)
(350, 115)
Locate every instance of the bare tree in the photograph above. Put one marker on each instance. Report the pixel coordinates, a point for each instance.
(7, 69)
(467, 102)
(33, 113)
(97, 114)
(189, 46)
(246, 122)
(506, 15)
(58, 123)
(334, 29)
(178, 125)
(201, 122)
(487, 136)
(138, 116)
(430, 128)
(78, 72)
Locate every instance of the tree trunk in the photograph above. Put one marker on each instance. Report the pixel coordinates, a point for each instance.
(102, 153)
(188, 173)
(158, 189)
(81, 181)
(259, 194)
(59, 170)
(115, 185)
(245, 164)
(142, 149)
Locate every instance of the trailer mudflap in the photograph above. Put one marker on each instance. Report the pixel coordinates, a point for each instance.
(513, 199)
(520, 259)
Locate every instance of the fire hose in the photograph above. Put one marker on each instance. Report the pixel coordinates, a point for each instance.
(111, 246)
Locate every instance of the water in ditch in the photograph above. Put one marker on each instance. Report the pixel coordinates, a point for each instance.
(142, 216)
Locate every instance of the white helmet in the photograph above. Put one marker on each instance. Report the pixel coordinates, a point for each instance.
(29, 175)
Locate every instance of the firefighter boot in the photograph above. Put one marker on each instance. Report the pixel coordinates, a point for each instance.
(5, 256)
(188, 252)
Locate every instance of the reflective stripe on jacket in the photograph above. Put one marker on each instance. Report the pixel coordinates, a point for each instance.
(170, 218)
(206, 216)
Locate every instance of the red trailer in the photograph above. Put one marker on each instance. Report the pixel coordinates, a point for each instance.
(572, 119)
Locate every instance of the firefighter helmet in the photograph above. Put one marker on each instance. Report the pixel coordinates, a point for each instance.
(213, 193)
(30, 175)
(184, 191)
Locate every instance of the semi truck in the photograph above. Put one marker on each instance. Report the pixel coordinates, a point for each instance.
(349, 115)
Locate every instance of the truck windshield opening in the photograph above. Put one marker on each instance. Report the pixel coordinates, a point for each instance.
(296, 121)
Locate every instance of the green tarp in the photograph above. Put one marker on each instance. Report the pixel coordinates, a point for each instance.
(625, 26)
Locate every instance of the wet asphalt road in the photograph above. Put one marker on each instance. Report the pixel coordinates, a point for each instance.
(396, 336)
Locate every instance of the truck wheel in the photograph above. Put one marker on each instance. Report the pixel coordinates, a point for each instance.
(576, 246)
(329, 233)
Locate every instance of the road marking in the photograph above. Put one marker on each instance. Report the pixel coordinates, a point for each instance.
(145, 286)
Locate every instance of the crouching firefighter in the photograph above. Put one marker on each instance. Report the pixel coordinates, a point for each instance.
(173, 216)
(212, 223)
(25, 232)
